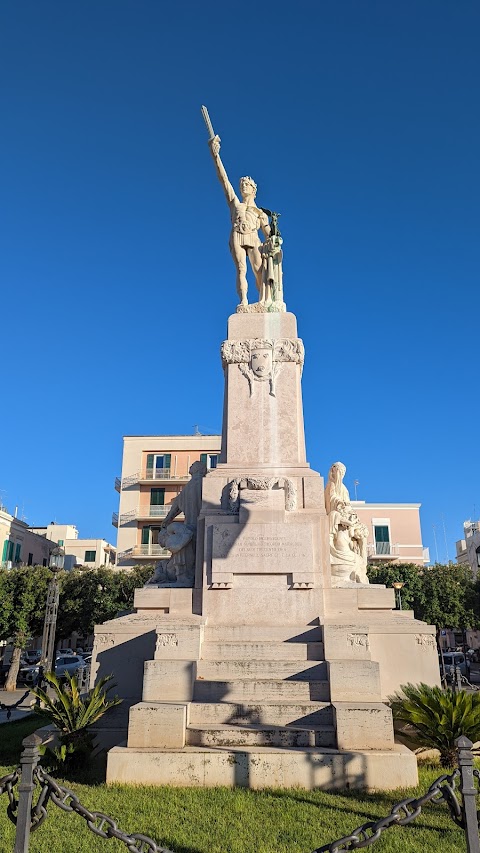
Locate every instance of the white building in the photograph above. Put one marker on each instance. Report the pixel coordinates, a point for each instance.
(20, 544)
(91, 553)
(468, 548)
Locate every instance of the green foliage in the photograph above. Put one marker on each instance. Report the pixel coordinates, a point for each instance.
(437, 717)
(23, 593)
(89, 597)
(442, 595)
(72, 715)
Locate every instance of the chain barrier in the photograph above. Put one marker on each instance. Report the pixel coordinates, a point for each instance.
(401, 814)
(99, 823)
(10, 708)
(7, 784)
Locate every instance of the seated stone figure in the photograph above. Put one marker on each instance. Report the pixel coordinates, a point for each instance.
(348, 536)
(180, 538)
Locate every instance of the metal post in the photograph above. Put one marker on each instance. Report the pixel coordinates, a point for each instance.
(458, 678)
(469, 793)
(50, 624)
(28, 761)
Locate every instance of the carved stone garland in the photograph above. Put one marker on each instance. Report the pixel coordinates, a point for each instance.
(281, 350)
(264, 484)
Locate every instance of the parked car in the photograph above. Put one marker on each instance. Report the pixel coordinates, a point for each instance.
(455, 659)
(61, 652)
(32, 656)
(71, 664)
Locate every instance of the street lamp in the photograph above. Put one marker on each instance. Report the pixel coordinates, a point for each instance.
(397, 585)
(57, 559)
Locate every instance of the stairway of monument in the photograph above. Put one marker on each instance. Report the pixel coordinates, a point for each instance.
(261, 687)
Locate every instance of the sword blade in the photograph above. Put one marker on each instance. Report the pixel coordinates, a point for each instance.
(208, 123)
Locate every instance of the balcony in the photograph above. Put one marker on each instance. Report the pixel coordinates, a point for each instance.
(151, 475)
(115, 519)
(118, 484)
(146, 513)
(142, 552)
(161, 474)
(382, 551)
(153, 511)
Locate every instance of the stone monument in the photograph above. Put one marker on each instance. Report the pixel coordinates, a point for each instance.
(261, 656)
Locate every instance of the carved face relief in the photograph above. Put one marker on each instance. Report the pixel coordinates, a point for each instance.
(261, 363)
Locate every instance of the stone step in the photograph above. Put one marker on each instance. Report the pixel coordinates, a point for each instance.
(261, 650)
(302, 714)
(223, 735)
(264, 767)
(259, 690)
(228, 670)
(283, 633)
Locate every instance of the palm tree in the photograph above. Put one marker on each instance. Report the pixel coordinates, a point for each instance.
(436, 717)
(72, 715)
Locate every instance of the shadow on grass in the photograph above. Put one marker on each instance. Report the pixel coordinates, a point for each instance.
(329, 798)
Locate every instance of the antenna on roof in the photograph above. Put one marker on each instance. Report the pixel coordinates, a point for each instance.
(196, 430)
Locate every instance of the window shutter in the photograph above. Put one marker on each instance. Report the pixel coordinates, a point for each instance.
(167, 460)
(5, 550)
(203, 458)
(150, 460)
(145, 535)
(157, 497)
(18, 548)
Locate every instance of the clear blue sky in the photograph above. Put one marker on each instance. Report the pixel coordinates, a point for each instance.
(360, 122)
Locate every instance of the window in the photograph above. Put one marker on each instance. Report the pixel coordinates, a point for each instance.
(157, 497)
(30, 560)
(158, 464)
(478, 556)
(44, 562)
(90, 556)
(60, 542)
(382, 539)
(209, 459)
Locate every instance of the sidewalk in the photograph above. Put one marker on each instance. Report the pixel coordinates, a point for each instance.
(11, 699)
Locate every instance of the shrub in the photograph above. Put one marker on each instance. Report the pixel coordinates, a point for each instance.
(73, 716)
(436, 717)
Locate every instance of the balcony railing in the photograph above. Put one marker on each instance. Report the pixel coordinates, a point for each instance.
(163, 474)
(383, 549)
(146, 512)
(115, 519)
(142, 551)
(151, 474)
(153, 511)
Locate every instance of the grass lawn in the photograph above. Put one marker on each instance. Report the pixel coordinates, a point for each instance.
(220, 820)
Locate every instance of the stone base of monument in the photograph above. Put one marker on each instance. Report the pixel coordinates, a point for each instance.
(299, 705)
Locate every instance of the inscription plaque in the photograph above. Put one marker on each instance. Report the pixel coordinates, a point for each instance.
(262, 549)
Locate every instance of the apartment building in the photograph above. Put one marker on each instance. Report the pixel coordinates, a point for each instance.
(395, 533)
(468, 548)
(154, 470)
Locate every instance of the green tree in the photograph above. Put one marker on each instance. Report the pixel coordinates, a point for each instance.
(89, 597)
(23, 594)
(442, 595)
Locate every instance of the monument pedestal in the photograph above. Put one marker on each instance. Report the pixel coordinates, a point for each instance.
(268, 672)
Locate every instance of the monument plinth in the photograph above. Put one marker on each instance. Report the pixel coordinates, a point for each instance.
(267, 655)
